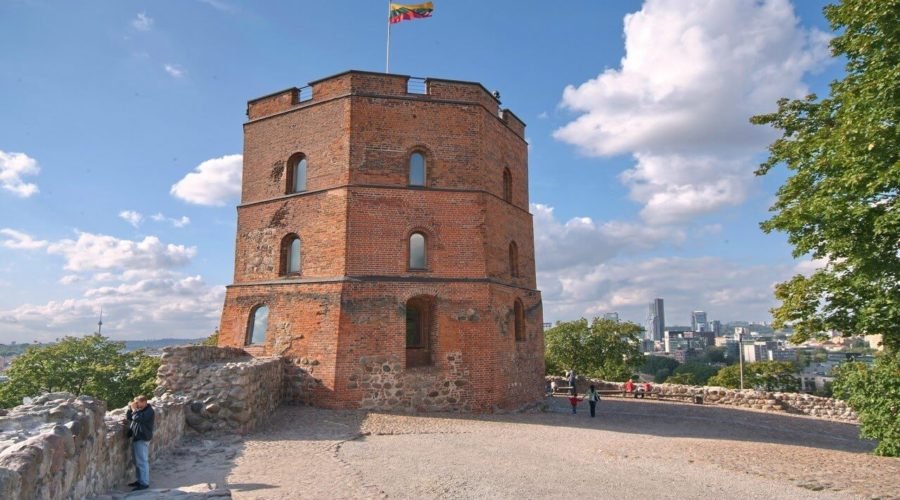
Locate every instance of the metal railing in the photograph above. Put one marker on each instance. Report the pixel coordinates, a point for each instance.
(416, 86)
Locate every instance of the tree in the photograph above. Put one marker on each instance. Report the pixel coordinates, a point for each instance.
(653, 364)
(604, 348)
(91, 365)
(212, 340)
(762, 375)
(699, 373)
(875, 395)
(684, 378)
(840, 202)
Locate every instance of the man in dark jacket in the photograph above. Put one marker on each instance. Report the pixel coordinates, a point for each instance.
(140, 426)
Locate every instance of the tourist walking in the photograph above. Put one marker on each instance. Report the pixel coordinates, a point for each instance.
(592, 397)
(140, 428)
(572, 378)
(573, 400)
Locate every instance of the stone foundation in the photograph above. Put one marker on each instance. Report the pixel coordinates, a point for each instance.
(387, 386)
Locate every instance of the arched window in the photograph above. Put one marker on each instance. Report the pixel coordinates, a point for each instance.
(296, 178)
(418, 331)
(290, 254)
(507, 185)
(416, 169)
(519, 320)
(513, 259)
(417, 257)
(257, 325)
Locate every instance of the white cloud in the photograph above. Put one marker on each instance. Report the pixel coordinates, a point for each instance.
(20, 241)
(214, 182)
(808, 266)
(694, 71)
(69, 279)
(142, 22)
(543, 115)
(179, 222)
(131, 217)
(13, 166)
(178, 306)
(102, 252)
(582, 242)
(173, 70)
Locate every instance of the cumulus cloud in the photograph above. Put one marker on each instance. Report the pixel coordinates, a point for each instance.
(142, 22)
(176, 306)
(693, 73)
(175, 222)
(131, 217)
(582, 242)
(101, 252)
(214, 182)
(20, 241)
(14, 166)
(69, 279)
(173, 70)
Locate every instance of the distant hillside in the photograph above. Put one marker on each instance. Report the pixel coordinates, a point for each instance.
(131, 345)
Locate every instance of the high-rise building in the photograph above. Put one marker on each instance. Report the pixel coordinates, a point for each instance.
(698, 321)
(715, 326)
(656, 320)
(613, 316)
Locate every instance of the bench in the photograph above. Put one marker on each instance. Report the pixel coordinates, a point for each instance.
(561, 389)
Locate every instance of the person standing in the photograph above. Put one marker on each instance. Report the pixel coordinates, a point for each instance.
(572, 378)
(593, 397)
(140, 428)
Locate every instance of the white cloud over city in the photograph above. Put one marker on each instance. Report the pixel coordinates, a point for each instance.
(13, 168)
(137, 283)
(213, 182)
(693, 74)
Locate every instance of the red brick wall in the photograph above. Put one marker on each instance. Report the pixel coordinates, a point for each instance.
(342, 322)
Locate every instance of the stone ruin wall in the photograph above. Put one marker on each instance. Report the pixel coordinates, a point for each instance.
(67, 447)
(784, 402)
(388, 386)
(224, 388)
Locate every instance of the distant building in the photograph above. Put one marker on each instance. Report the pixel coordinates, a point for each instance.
(715, 326)
(613, 316)
(656, 320)
(782, 355)
(675, 340)
(698, 321)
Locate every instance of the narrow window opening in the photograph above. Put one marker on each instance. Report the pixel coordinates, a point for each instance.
(513, 260)
(258, 324)
(296, 180)
(507, 185)
(417, 257)
(418, 331)
(417, 169)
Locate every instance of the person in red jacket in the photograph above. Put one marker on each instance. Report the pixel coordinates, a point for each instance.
(573, 399)
(629, 387)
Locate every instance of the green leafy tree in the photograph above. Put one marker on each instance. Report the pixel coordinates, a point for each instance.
(662, 375)
(684, 378)
(714, 354)
(762, 375)
(603, 348)
(875, 395)
(699, 372)
(91, 365)
(840, 202)
(653, 364)
(212, 340)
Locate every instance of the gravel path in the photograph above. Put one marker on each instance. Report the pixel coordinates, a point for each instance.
(633, 449)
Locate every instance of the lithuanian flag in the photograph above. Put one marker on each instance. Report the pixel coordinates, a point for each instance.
(400, 12)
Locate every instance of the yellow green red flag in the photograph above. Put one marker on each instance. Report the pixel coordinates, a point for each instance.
(401, 12)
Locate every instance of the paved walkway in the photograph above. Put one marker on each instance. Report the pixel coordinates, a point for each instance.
(633, 449)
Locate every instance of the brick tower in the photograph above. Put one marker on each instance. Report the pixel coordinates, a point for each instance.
(385, 248)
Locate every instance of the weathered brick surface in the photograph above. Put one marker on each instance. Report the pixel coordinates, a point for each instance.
(341, 323)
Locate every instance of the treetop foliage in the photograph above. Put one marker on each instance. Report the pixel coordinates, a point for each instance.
(840, 202)
(603, 348)
(91, 365)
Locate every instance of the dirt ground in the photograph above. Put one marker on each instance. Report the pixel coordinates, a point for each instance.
(632, 449)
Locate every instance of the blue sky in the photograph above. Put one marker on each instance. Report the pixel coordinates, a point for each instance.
(122, 121)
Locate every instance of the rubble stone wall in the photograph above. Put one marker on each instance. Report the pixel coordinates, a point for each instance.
(67, 447)
(224, 387)
(785, 402)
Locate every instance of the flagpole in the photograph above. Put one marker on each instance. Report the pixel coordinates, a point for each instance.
(387, 57)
